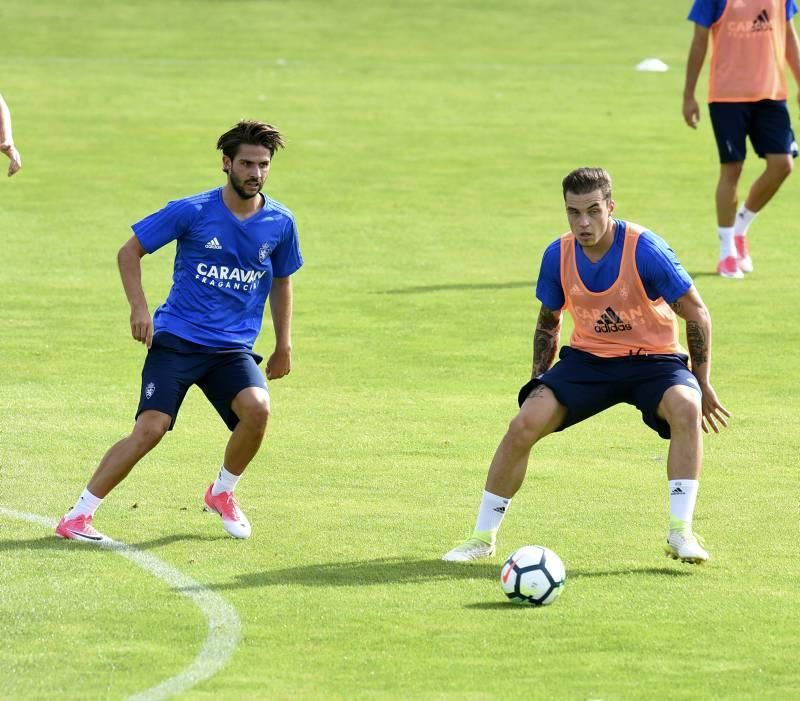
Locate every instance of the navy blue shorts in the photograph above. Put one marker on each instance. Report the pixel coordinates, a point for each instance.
(587, 384)
(173, 365)
(766, 122)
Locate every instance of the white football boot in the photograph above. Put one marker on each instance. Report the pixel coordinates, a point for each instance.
(685, 547)
(471, 549)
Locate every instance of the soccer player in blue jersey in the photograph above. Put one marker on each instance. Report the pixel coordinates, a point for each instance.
(236, 247)
(623, 287)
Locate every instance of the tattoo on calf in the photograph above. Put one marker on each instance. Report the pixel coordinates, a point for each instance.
(697, 342)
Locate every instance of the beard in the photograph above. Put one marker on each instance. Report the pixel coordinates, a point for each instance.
(238, 185)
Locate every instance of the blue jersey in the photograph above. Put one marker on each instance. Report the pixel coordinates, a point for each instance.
(224, 267)
(659, 269)
(707, 12)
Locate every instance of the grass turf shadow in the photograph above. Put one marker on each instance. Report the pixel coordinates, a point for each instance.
(391, 570)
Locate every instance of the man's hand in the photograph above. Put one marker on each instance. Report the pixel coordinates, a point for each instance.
(713, 411)
(279, 363)
(13, 155)
(142, 325)
(691, 112)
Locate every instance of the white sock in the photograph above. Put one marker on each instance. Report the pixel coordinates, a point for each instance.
(744, 218)
(726, 246)
(225, 482)
(85, 506)
(682, 498)
(490, 516)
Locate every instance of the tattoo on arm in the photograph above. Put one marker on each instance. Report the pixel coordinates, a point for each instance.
(548, 320)
(697, 340)
(545, 340)
(544, 351)
(677, 307)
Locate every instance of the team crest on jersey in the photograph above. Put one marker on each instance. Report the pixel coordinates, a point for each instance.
(263, 252)
(150, 390)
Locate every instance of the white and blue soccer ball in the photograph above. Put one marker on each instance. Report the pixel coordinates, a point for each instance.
(533, 575)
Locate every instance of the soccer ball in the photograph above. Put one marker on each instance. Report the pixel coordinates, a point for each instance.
(533, 575)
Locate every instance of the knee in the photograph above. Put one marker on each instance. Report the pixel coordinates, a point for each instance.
(149, 430)
(684, 413)
(254, 412)
(783, 167)
(730, 173)
(524, 430)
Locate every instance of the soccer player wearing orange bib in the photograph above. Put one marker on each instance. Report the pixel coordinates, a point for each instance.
(622, 285)
(752, 43)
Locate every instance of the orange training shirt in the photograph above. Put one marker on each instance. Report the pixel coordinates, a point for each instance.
(622, 320)
(748, 54)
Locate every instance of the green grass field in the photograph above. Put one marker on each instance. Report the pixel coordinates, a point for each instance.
(426, 145)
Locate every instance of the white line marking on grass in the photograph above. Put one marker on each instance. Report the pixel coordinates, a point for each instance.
(224, 626)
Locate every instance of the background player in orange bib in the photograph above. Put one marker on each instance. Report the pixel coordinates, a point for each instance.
(622, 286)
(752, 43)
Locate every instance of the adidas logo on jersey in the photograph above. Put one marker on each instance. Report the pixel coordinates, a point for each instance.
(610, 322)
(215, 244)
(744, 29)
(761, 23)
